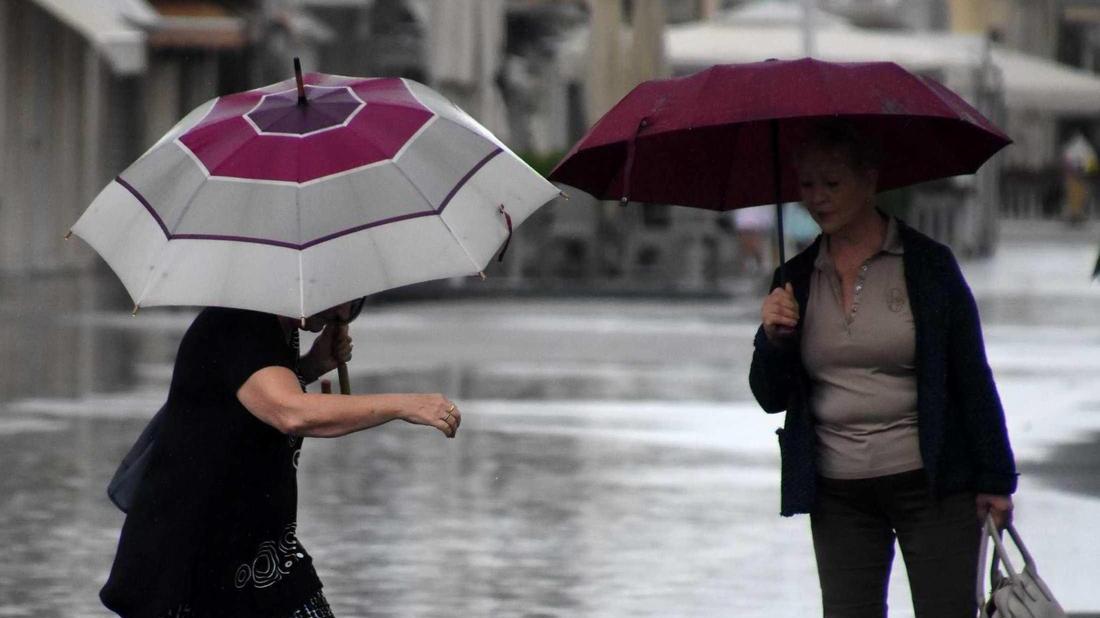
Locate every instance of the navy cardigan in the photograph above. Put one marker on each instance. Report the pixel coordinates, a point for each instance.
(961, 427)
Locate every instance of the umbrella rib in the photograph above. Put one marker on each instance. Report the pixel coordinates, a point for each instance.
(171, 227)
(301, 250)
(439, 214)
(460, 115)
(213, 123)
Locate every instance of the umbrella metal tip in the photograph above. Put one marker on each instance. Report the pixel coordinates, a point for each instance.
(563, 195)
(134, 312)
(482, 275)
(68, 235)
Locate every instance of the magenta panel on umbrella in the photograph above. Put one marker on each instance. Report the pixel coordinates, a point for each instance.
(342, 127)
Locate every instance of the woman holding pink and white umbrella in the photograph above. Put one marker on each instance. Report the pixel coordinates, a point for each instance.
(211, 530)
(275, 208)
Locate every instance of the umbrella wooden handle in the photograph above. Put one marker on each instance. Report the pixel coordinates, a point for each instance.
(345, 381)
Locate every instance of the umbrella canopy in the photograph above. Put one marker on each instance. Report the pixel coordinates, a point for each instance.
(292, 200)
(715, 139)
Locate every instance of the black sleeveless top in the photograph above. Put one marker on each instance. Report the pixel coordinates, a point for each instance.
(212, 528)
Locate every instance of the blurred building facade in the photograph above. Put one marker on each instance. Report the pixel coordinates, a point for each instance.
(118, 73)
(1067, 31)
(95, 83)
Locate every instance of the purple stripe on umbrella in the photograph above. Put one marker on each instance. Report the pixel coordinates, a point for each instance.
(366, 226)
(316, 241)
(469, 174)
(247, 239)
(146, 204)
(414, 215)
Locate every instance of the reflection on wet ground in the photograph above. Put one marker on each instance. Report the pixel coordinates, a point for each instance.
(47, 353)
(557, 510)
(1076, 466)
(610, 463)
(514, 523)
(505, 521)
(57, 528)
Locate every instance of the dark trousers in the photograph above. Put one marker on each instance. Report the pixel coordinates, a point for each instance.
(854, 524)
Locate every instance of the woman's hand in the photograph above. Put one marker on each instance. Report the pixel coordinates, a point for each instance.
(999, 506)
(433, 410)
(332, 347)
(779, 314)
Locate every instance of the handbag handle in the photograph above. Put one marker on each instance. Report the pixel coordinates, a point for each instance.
(1000, 554)
(983, 549)
(989, 531)
(1029, 562)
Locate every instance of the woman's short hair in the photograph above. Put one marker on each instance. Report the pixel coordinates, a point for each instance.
(841, 135)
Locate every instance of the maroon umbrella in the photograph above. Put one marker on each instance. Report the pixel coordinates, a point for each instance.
(717, 139)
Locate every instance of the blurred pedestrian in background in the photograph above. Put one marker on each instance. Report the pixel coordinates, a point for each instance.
(212, 527)
(754, 228)
(894, 429)
(1079, 167)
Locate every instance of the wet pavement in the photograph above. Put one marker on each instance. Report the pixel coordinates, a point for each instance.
(611, 461)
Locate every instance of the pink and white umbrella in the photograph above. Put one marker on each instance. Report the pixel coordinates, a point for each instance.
(290, 200)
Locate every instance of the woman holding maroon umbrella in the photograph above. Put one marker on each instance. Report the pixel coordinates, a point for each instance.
(894, 427)
(870, 340)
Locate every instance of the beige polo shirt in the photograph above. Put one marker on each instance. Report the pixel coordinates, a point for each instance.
(861, 366)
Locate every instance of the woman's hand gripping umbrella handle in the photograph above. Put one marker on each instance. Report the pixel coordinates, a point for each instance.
(779, 314)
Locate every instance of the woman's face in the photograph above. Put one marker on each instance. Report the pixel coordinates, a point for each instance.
(834, 193)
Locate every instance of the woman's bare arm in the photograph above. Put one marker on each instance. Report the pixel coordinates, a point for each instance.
(273, 395)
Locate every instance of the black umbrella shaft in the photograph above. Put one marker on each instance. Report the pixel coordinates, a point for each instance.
(777, 176)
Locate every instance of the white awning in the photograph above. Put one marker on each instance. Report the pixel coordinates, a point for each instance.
(699, 45)
(1030, 82)
(115, 28)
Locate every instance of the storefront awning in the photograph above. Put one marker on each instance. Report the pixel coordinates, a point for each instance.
(1029, 82)
(115, 28)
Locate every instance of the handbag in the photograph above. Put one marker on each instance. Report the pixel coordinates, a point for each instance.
(127, 478)
(1019, 594)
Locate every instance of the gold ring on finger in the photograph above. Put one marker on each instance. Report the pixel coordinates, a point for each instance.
(451, 409)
